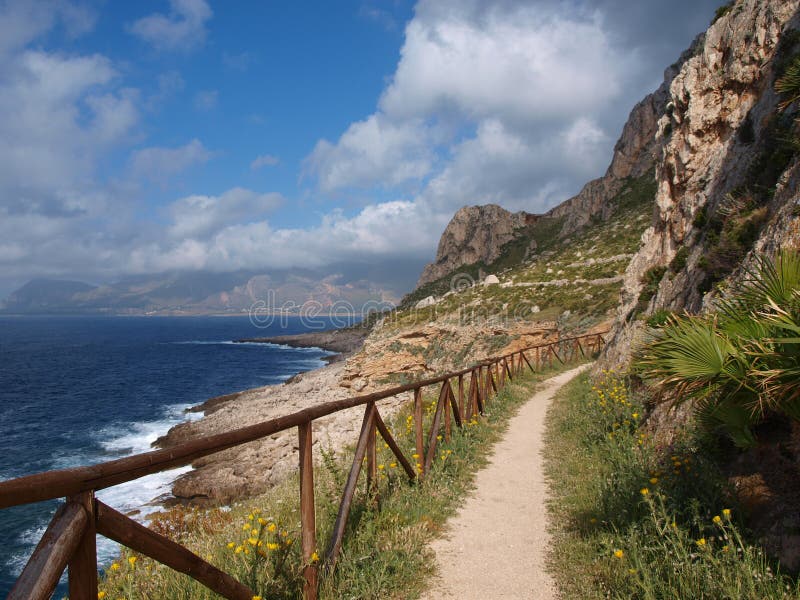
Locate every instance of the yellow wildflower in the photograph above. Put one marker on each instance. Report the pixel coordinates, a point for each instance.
(393, 465)
(262, 521)
(114, 566)
(238, 550)
(654, 480)
(314, 557)
(101, 595)
(701, 542)
(644, 491)
(717, 519)
(381, 467)
(618, 553)
(132, 561)
(256, 597)
(231, 544)
(271, 527)
(273, 546)
(726, 512)
(253, 541)
(415, 456)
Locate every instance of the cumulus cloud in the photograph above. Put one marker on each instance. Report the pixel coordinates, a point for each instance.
(160, 164)
(184, 28)
(200, 216)
(264, 160)
(58, 114)
(508, 75)
(203, 240)
(522, 64)
(376, 151)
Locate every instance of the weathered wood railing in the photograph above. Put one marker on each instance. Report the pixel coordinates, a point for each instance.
(69, 541)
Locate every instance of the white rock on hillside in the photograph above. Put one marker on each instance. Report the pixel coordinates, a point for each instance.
(426, 302)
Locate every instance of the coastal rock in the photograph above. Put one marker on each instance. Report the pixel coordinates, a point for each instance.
(253, 468)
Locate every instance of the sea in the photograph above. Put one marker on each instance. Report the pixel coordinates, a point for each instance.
(82, 390)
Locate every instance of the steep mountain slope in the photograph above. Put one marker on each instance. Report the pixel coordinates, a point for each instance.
(728, 168)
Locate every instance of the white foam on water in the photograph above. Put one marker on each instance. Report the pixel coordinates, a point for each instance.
(136, 497)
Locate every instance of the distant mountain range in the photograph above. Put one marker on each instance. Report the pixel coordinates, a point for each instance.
(198, 293)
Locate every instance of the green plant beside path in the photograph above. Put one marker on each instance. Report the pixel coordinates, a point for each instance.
(632, 519)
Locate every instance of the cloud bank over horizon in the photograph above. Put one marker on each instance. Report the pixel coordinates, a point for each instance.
(508, 102)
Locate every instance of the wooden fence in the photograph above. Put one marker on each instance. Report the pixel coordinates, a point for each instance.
(70, 542)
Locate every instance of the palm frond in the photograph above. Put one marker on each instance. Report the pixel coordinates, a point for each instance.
(789, 84)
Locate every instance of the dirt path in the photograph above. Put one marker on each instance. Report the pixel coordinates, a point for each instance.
(496, 545)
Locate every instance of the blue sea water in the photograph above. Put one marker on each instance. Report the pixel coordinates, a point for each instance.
(81, 390)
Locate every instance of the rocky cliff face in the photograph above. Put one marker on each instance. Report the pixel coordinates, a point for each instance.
(727, 169)
(475, 234)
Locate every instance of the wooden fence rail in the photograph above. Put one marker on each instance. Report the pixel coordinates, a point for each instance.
(69, 541)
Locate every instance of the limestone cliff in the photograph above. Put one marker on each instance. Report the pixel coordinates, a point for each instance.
(727, 169)
(474, 234)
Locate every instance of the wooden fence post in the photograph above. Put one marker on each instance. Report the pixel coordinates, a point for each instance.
(461, 407)
(372, 455)
(308, 522)
(83, 566)
(446, 401)
(418, 426)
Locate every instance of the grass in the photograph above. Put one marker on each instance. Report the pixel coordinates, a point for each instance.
(633, 519)
(385, 552)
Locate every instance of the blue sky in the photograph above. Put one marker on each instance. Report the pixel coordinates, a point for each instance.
(162, 135)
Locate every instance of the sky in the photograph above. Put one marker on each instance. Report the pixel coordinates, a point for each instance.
(192, 135)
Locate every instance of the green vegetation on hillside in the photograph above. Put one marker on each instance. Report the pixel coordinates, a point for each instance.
(637, 520)
(579, 272)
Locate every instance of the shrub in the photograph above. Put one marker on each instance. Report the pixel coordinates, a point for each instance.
(679, 260)
(739, 364)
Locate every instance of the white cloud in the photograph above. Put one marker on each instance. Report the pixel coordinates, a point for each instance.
(483, 99)
(206, 100)
(160, 164)
(528, 64)
(376, 151)
(264, 160)
(201, 239)
(58, 114)
(201, 216)
(183, 29)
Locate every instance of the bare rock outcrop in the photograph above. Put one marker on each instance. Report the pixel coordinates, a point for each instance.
(474, 234)
(720, 106)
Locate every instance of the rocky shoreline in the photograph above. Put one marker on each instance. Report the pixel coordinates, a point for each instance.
(254, 468)
(341, 341)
